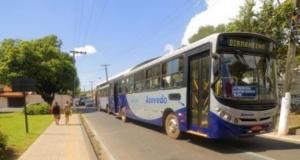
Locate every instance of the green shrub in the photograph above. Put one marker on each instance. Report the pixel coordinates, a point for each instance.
(38, 108)
(3, 143)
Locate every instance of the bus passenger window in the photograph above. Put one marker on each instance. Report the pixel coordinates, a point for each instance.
(152, 78)
(172, 73)
(139, 81)
(130, 84)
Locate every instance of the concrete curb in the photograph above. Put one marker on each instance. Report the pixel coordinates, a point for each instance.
(101, 150)
(93, 152)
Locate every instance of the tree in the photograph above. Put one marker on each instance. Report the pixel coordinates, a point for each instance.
(41, 60)
(270, 20)
(205, 31)
(246, 20)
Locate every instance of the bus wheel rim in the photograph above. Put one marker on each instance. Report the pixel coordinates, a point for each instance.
(172, 125)
(123, 114)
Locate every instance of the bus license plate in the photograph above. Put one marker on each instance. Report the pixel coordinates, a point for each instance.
(256, 128)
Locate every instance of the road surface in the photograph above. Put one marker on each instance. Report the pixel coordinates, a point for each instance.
(138, 141)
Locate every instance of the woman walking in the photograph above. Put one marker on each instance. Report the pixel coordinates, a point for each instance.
(67, 110)
(56, 112)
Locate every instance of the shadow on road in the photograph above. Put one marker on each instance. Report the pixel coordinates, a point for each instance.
(230, 146)
(146, 125)
(251, 144)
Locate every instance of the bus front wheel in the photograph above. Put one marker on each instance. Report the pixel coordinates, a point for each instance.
(172, 126)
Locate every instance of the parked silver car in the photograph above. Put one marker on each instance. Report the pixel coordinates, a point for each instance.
(90, 103)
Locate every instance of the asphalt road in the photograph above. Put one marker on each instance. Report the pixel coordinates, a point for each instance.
(138, 141)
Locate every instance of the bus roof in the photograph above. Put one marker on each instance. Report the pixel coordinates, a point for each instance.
(209, 39)
(147, 63)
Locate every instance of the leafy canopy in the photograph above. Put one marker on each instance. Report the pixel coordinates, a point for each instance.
(39, 59)
(271, 20)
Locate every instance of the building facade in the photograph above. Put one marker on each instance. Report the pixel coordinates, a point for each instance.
(9, 98)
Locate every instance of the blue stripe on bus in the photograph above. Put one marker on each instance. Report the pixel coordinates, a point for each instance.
(218, 128)
(123, 102)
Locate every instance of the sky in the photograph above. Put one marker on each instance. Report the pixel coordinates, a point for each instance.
(119, 33)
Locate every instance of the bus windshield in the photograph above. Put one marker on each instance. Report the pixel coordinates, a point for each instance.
(245, 77)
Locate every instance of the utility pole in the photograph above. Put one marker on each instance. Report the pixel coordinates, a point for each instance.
(74, 79)
(92, 92)
(286, 100)
(105, 67)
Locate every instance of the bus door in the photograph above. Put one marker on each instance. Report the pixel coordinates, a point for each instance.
(198, 83)
(97, 101)
(116, 109)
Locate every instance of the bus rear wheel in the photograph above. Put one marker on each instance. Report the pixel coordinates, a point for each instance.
(123, 114)
(172, 126)
(107, 110)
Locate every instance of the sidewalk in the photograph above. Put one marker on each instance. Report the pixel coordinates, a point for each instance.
(62, 142)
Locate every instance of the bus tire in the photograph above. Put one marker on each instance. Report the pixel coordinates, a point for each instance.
(172, 126)
(107, 110)
(123, 114)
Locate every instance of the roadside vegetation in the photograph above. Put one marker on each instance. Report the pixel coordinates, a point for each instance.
(42, 60)
(270, 20)
(38, 108)
(12, 126)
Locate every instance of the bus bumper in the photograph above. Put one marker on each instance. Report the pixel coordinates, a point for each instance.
(219, 129)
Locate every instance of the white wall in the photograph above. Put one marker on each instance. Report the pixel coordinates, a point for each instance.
(30, 99)
(61, 99)
(3, 102)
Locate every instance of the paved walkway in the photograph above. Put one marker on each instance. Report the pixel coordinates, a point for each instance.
(62, 142)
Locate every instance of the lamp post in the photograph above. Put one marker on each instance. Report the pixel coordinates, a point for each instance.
(74, 80)
(92, 90)
(106, 72)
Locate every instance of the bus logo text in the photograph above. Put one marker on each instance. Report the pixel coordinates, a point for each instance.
(156, 100)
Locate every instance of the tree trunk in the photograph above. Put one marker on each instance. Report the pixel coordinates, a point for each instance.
(48, 97)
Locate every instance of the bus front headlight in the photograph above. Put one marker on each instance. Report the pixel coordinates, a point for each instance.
(236, 120)
(227, 117)
(221, 114)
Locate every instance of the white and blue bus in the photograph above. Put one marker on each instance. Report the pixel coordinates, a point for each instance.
(222, 86)
(102, 96)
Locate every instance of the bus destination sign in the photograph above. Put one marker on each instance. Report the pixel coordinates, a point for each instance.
(246, 42)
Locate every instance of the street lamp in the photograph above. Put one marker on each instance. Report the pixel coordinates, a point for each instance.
(74, 80)
(92, 91)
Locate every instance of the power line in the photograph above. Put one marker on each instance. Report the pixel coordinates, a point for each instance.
(99, 19)
(80, 23)
(86, 33)
(166, 21)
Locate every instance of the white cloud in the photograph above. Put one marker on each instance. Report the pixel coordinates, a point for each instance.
(89, 49)
(217, 12)
(168, 48)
